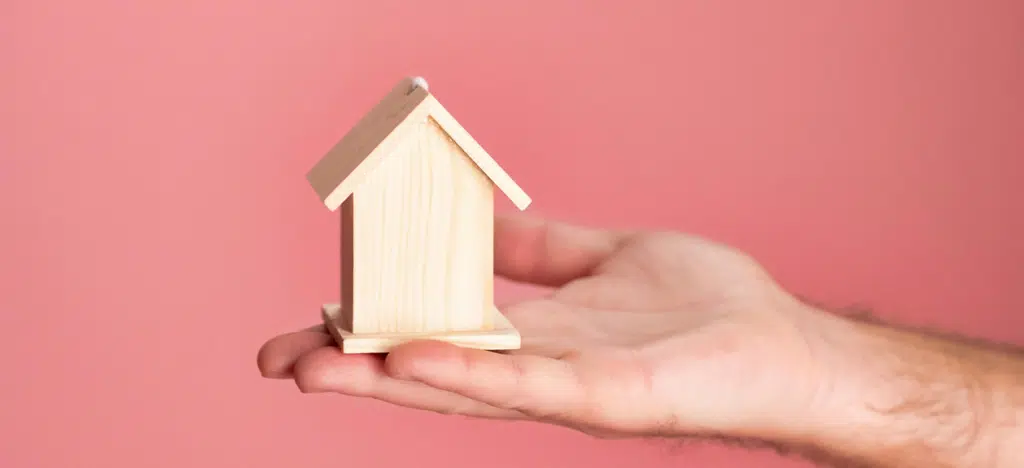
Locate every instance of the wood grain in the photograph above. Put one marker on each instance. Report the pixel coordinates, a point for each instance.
(503, 336)
(484, 161)
(416, 193)
(420, 240)
(336, 175)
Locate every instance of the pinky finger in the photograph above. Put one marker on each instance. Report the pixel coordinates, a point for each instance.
(535, 386)
(328, 370)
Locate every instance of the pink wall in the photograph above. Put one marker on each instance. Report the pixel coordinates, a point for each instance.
(157, 226)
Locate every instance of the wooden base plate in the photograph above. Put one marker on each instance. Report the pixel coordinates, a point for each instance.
(504, 336)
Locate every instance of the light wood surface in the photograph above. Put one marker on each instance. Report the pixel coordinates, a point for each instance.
(338, 174)
(417, 240)
(484, 161)
(416, 193)
(503, 336)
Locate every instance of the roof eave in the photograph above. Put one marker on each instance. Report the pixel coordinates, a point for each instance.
(340, 172)
(336, 175)
(488, 165)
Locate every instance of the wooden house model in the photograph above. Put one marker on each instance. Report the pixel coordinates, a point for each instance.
(416, 193)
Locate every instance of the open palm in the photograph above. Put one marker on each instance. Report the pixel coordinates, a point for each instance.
(642, 333)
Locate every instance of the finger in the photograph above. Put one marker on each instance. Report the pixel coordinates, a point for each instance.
(549, 253)
(363, 375)
(277, 356)
(535, 386)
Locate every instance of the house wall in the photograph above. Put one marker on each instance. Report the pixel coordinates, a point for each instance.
(422, 240)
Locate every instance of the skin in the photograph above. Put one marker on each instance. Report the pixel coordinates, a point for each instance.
(661, 334)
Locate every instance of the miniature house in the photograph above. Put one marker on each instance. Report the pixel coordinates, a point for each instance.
(416, 193)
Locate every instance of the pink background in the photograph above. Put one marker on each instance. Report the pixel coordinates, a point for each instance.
(157, 227)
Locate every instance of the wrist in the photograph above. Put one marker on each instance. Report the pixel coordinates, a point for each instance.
(899, 397)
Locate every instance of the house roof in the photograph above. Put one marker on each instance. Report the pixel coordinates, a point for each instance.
(338, 173)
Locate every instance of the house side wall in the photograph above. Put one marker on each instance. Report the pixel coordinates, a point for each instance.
(347, 262)
(423, 240)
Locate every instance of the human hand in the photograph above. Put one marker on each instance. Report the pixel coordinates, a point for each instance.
(642, 334)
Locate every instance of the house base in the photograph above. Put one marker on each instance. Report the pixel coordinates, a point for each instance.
(503, 336)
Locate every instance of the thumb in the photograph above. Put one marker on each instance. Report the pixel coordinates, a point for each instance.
(536, 386)
(549, 253)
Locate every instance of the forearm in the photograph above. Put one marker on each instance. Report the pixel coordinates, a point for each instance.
(898, 398)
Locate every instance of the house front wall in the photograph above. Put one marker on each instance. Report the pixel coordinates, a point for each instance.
(421, 240)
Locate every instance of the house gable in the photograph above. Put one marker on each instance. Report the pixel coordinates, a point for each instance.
(337, 175)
